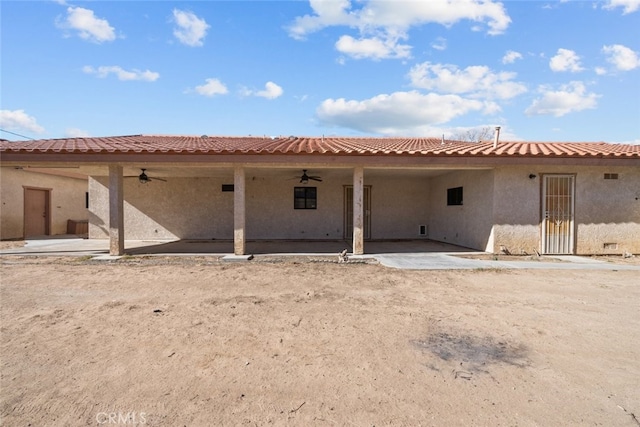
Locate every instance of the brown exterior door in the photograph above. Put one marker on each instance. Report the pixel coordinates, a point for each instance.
(36, 212)
(348, 211)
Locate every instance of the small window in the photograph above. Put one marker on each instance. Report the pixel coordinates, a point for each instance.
(454, 196)
(227, 187)
(305, 198)
(610, 176)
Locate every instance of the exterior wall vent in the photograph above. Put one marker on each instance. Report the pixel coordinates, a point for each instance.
(227, 187)
(610, 176)
(423, 230)
(610, 246)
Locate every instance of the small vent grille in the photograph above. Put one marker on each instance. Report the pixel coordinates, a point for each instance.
(610, 246)
(610, 176)
(423, 230)
(227, 187)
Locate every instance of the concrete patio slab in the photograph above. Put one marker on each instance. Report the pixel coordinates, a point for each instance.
(412, 254)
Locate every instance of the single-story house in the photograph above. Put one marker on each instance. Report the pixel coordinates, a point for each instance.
(553, 198)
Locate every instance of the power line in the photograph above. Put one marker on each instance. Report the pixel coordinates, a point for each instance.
(17, 134)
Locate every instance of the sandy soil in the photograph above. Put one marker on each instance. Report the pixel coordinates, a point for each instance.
(195, 341)
(11, 244)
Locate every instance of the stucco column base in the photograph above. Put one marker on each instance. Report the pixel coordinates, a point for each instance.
(237, 258)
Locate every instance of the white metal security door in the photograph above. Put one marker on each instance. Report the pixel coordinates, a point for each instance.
(558, 214)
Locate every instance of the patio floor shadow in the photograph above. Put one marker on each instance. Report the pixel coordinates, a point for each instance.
(293, 247)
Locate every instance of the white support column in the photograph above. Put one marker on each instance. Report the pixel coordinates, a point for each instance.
(239, 185)
(358, 211)
(116, 211)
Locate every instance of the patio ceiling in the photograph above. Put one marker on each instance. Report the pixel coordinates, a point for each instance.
(283, 172)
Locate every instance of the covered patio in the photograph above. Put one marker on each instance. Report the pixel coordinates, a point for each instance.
(75, 246)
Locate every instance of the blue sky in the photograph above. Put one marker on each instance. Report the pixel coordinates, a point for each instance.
(542, 70)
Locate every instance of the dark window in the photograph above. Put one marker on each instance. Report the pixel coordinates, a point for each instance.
(305, 197)
(454, 196)
(610, 176)
(86, 200)
(227, 187)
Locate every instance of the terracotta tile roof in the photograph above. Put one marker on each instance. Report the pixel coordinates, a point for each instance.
(317, 145)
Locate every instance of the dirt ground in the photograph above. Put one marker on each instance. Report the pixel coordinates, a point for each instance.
(195, 341)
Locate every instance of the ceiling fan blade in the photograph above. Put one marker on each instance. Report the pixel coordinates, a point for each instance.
(157, 179)
(316, 178)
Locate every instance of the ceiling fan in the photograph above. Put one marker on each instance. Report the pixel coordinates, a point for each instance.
(144, 178)
(304, 178)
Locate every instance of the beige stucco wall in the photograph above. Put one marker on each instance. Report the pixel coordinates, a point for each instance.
(181, 208)
(399, 206)
(270, 212)
(469, 224)
(196, 208)
(516, 210)
(67, 200)
(606, 211)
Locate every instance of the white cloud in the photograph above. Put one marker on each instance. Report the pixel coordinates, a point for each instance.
(565, 60)
(569, 98)
(623, 58)
(212, 87)
(511, 56)
(122, 74)
(18, 120)
(76, 133)
(271, 91)
(399, 112)
(628, 6)
(327, 13)
(477, 80)
(375, 47)
(393, 14)
(88, 26)
(630, 142)
(439, 44)
(382, 23)
(190, 29)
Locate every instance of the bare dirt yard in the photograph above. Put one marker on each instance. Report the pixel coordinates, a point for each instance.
(195, 341)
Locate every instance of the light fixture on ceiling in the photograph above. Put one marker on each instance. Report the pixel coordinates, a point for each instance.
(304, 178)
(143, 177)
